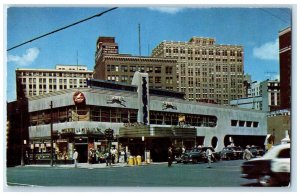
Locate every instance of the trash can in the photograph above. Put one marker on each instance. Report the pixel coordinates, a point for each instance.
(134, 161)
(139, 160)
(130, 160)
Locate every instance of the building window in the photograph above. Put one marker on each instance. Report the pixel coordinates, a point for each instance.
(248, 124)
(157, 69)
(168, 70)
(124, 68)
(234, 123)
(158, 80)
(241, 123)
(132, 68)
(149, 69)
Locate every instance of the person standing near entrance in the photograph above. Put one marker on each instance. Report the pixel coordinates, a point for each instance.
(170, 156)
(75, 157)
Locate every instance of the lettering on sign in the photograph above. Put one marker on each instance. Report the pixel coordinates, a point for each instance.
(136, 124)
(82, 131)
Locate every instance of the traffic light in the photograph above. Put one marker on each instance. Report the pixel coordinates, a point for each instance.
(109, 134)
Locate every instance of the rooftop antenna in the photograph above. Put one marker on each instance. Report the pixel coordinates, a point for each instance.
(139, 39)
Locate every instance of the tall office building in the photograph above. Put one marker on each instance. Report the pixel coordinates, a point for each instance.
(206, 71)
(34, 82)
(120, 68)
(285, 60)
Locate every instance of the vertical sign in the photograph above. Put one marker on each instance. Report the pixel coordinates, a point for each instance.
(145, 100)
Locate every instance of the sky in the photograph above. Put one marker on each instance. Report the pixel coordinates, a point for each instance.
(256, 29)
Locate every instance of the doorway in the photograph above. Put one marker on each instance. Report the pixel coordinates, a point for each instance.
(82, 150)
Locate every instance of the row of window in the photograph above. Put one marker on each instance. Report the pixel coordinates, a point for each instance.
(133, 68)
(53, 74)
(166, 118)
(118, 115)
(70, 114)
(53, 80)
(205, 58)
(242, 123)
(205, 52)
(123, 115)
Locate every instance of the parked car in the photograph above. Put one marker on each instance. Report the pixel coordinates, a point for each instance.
(257, 151)
(272, 169)
(198, 155)
(230, 153)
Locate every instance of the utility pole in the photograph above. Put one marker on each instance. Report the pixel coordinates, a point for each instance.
(51, 132)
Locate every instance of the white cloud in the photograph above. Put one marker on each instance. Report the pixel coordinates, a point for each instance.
(168, 10)
(267, 51)
(26, 59)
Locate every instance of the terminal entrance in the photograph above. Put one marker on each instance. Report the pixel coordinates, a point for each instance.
(244, 140)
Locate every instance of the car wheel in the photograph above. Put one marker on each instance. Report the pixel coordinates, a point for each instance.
(266, 180)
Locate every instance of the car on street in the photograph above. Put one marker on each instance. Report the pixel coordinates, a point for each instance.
(231, 153)
(198, 155)
(272, 169)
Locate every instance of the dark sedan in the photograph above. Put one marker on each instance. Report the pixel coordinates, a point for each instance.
(230, 153)
(198, 155)
(272, 169)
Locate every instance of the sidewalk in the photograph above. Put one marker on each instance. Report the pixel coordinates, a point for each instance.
(94, 166)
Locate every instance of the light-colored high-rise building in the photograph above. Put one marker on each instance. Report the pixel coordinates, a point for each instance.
(120, 68)
(34, 82)
(206, 71)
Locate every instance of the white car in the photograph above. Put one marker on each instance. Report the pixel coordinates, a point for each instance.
(272, 169)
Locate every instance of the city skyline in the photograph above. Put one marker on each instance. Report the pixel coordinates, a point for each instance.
(256, 29)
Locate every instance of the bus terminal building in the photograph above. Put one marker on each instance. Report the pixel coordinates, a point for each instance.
(143, 119)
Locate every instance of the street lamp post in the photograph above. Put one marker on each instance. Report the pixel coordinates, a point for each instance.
(22, 144)
(51, 132)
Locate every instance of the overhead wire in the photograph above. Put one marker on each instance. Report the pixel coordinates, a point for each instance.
(274, 15)
(60, 29)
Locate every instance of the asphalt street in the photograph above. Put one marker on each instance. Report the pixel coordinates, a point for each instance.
(222, 174)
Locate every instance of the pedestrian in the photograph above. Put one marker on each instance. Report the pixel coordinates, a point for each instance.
(209, 156)
(113, 154)
(75, 157)
(108, 158)
(170, 156)
(125, 156)
(247, 155)
(90, 159)
(183, 149)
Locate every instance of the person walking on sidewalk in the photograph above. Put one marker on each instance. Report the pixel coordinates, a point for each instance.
(75, 157)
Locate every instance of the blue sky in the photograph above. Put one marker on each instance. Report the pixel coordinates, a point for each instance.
(256, 29)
